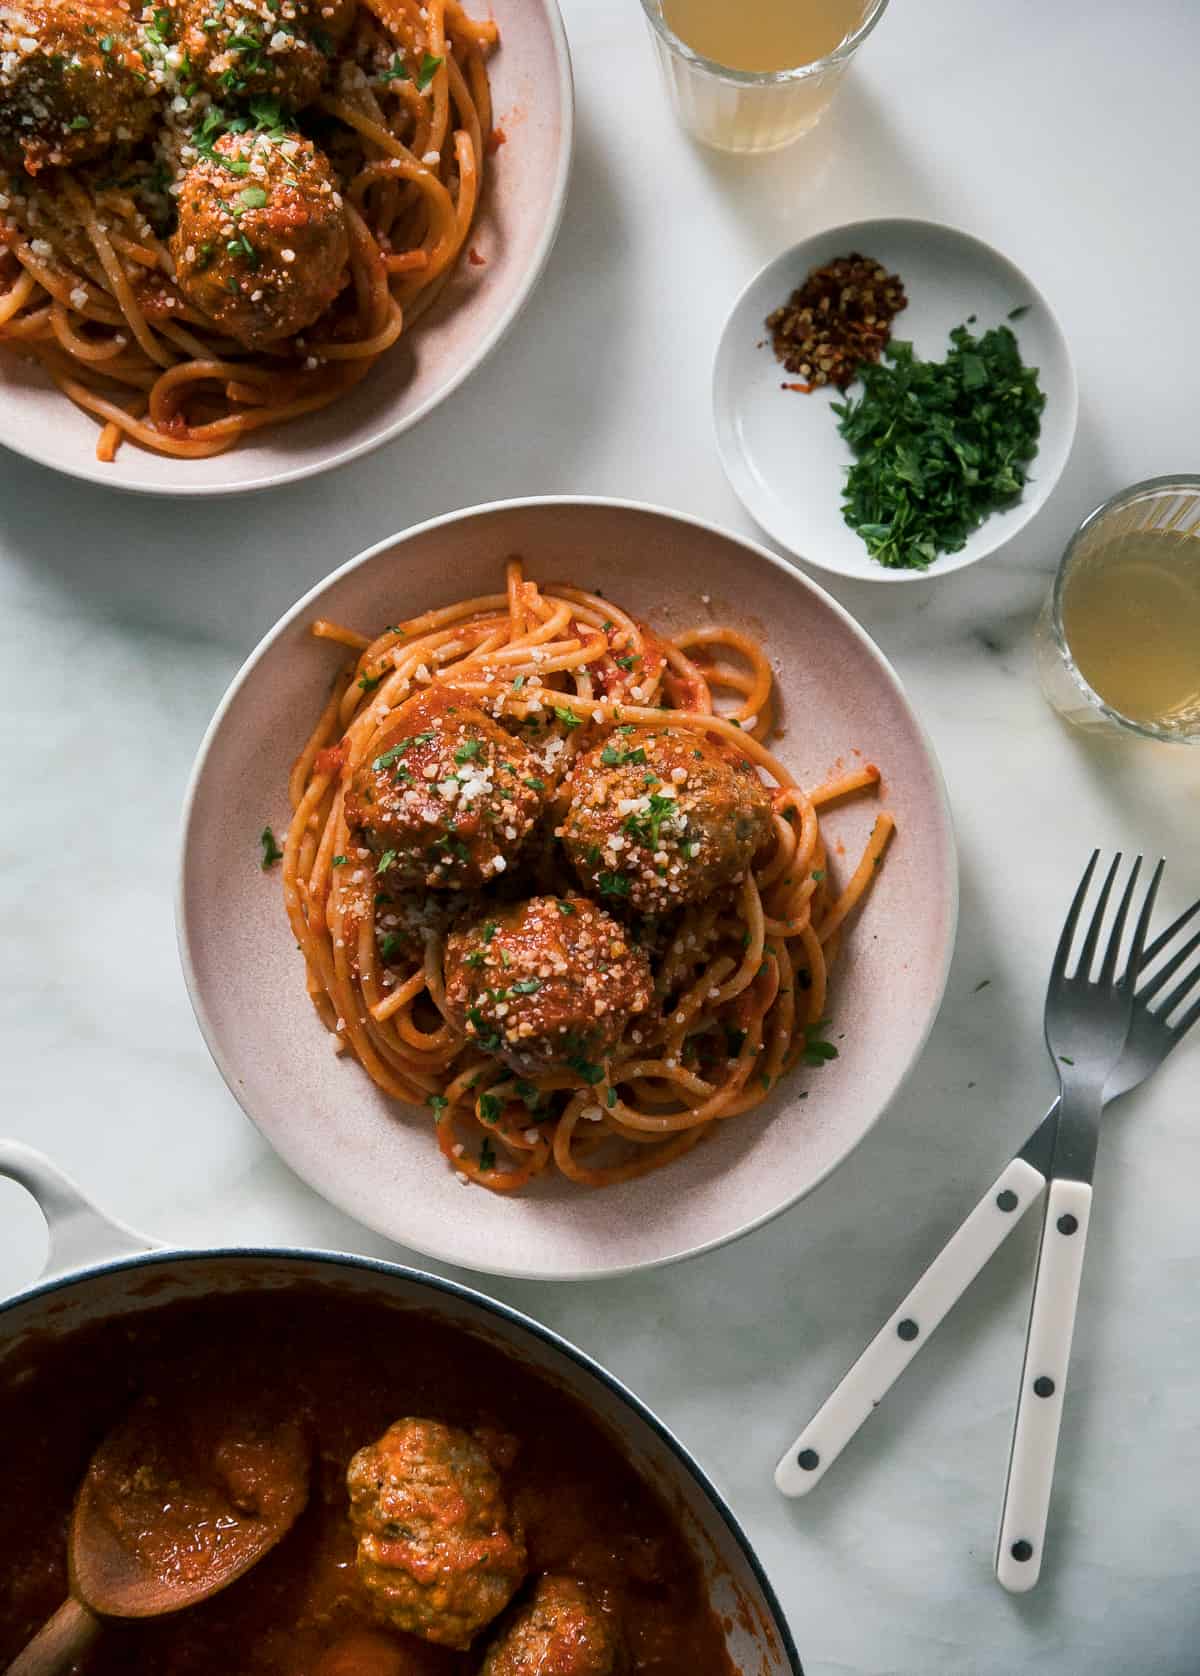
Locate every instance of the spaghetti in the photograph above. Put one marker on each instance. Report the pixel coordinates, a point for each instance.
(94, 287)
(738, 970)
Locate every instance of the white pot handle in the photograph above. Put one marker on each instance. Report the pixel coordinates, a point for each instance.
(80, 1235)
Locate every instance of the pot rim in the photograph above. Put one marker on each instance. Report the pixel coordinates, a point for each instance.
(511, 1317)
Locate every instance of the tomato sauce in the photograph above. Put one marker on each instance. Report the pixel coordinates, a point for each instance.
(344, 1369)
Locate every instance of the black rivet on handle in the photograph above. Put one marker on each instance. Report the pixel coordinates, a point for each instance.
(1022, 1550)
(1043, 1387)
(1067, 1224)
(1007, 1200)
(908, 1329)
(808, 1460)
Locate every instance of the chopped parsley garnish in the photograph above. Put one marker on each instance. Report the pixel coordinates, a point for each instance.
(536, 785)
(487, 1155)
(528, 1094)
(1065, 1060)
(490, 930)
(518, 683)
(585, 1069)
(613, 884)
(396, 71)
(368, 683)
(253, 197)
(525, 986)
(612, 757)
(428, 69)
(439, 1102)
(490, 1107)
(475, 958)
(271, 851)
(818, 875)
(240, 246)
(608, 626)
(1020, 311)
(938, 445)
(80, 121)
(568, 718)
(160, 28)
(393, 944)
(468, 750)
(338, 861)
(565, 907)
(385, 861)
(612, 1098)
(816, 1051)
(488, 1039)
(627, 663)
(106, 46)
(647, 828)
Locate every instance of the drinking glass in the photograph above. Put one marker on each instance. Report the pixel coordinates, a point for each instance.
(751, 110)
(1163, 506)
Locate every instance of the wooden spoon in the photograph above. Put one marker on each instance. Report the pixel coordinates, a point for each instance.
(179, 1501)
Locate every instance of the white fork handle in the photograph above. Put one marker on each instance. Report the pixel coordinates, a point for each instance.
(1043, 1385)
(909, 1327)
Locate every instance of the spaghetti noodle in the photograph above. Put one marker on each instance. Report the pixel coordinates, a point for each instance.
(738, 970)
(94, 287)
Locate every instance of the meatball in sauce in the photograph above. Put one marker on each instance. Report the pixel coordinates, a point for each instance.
(560, 1632)
(73, 82)
(657, 818)
(261, 247)
(439, 1554)
(242, 49)
(546, 984)
(448, 800)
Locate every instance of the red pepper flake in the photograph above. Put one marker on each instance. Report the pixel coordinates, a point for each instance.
(841, 316)
(475, 259)
(495, 140)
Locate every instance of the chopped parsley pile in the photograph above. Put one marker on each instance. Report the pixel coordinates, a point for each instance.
(939, 445)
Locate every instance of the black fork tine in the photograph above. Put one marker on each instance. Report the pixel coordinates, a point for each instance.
(1063, 952)
(1140, 931)
(1087, 954)
(1180, 992)
(1167, 936)
(1185, 1024)
(1152, 985)
(1108, 970)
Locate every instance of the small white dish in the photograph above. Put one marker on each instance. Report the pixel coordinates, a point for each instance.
(781, 449)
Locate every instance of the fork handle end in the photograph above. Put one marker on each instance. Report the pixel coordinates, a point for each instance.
(908, 1327)
(1043, 1385)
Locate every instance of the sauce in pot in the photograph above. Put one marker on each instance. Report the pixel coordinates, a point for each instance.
(341, 1371)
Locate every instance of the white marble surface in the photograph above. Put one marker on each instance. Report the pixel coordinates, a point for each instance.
(1064, 134)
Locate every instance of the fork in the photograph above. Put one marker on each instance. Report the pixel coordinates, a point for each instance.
(1087, 1023)
(1014, 1192)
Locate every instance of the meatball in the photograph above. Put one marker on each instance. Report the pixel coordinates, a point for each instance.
(242, 49)
(261, 247)
(449, 799)
(561, 1632)
(546, 984)
(72, 82)
(660, 817)
(438, 1553)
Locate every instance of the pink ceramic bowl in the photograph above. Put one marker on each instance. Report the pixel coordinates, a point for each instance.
(378, 1160)
(518, 222)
